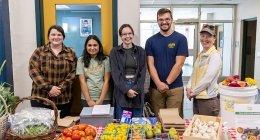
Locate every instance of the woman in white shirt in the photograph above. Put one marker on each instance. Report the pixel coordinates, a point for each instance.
(202, 86)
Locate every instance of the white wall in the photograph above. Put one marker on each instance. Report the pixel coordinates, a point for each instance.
(247, 10)
(129, 13)
(23, 42)
(23, 35)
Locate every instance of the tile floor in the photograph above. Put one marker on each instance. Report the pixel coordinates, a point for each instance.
(187, 108)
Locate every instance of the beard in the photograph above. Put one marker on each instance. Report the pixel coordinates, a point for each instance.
(165, 29)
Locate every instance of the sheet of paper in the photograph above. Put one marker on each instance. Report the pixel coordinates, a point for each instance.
(247, 121)
(101, 109)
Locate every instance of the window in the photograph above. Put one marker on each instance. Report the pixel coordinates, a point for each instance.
(185, 13)
(216, 13)
(189, 18)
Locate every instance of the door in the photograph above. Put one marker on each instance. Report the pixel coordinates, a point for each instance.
(79, 18)
(189, 30)
(248, 48)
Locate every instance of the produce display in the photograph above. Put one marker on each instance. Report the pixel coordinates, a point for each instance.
(33, 130)
(173, 134)
(137, 133)
(31, 121)
(234, 81)
(148, 131)
(204, 129)
(140, 131)
(79, 132)
(114, 131)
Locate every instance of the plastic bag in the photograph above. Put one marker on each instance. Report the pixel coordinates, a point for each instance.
(31, 121)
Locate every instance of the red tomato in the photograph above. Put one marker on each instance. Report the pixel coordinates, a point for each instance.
(75, 127)
(89, 138)
(83, 138)
(82, 133)
(75, 137)
(75, 132)
(82, 126)
(67, 132)
(90, 131)
(60, 138)
(68, 138)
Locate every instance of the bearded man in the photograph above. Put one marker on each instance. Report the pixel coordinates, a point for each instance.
(166, 52)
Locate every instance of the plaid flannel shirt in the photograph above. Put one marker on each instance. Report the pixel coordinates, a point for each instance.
(47, 70)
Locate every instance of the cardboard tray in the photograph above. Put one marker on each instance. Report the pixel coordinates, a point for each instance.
(186, 134)
(170, 116)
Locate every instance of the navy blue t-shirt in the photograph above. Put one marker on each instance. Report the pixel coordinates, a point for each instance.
(164, 50)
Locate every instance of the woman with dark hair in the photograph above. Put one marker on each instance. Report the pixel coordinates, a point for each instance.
(52, 68)
(128, 69)
(94, 73)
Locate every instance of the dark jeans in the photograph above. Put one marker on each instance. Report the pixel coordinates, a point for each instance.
(136, 112)
(64, 109)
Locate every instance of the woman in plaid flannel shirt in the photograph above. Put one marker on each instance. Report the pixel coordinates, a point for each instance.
(52, 68)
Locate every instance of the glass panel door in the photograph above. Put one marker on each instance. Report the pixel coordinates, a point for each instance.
(189, 31)
(79, 18)
(78, 22)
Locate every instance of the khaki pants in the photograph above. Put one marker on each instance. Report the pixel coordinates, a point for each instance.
(208, 107)
(172, 98)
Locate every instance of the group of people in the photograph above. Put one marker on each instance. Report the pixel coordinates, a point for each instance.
(54, 66)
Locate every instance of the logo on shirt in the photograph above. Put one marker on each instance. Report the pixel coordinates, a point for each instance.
(171, 45)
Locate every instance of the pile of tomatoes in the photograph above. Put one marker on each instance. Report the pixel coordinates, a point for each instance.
(78, 132)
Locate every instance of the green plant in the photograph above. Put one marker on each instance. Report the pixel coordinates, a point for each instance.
(7, 94)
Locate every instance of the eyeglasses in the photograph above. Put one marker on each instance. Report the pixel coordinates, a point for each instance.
(166, 20)
(212, 27)
(125, 34)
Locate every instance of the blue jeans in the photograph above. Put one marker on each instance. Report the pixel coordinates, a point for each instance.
(136, 112)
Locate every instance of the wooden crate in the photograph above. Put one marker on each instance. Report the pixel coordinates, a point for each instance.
(186, 134)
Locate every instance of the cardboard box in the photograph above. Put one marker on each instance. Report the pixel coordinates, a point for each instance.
(186, 134)
(169, 118)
